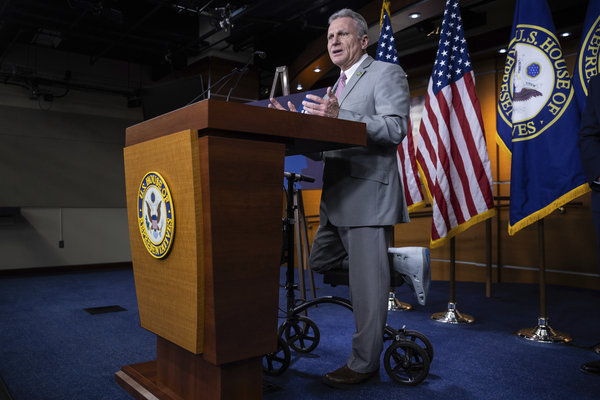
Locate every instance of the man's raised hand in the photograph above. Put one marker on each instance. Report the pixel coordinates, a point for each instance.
(275, 104)
(323, 107)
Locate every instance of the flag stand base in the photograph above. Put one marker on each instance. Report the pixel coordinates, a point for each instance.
(396, 305)
(452, 316)
(543, 333)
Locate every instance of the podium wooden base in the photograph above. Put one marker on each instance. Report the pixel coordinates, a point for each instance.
(178, 374)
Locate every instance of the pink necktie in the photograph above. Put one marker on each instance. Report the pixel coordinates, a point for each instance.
(341, 86)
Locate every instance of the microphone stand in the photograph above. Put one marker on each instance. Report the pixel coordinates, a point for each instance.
(244, 70)
(235, 71)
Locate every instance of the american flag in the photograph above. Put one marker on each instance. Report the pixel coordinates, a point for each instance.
(410, 180)
(386, 49)
(452, 153)
(407, 164)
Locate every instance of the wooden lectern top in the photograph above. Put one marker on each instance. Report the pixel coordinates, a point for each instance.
(301, 133)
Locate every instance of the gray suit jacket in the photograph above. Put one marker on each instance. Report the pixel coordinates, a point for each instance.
(361, 185)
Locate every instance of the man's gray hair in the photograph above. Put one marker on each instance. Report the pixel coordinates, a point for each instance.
(361, 23)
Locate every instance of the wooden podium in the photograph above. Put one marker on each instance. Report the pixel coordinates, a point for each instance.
(213, 300)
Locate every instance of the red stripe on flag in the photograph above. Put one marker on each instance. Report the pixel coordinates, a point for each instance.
(465, 131)
(445, 159)
(407, 166)
(402, 158)
(410, 144)
(429, 158)
(483, 179)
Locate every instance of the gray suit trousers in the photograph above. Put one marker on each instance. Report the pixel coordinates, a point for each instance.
(366, 248)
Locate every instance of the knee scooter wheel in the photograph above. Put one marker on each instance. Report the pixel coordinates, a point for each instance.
(278, 362)
(406, 363)
(421, 340)
(302, 335)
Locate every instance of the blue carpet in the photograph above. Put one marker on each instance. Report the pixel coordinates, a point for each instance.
(50, 348)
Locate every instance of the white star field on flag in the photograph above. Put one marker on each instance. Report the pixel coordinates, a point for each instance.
(386, 49)
(453, 61)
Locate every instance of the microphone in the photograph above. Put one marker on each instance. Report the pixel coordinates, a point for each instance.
(233, 72)
(261, 54)
(298, 177)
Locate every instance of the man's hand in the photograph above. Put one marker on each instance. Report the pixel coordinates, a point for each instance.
(275, 104)
(323, 107)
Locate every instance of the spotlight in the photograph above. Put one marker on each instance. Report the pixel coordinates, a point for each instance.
(414, 15)
(299, 87)
(502, 51)
(317, 69)
(565, 34)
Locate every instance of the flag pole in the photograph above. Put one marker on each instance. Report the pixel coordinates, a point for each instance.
(488, 257)
(542, 256)
(451, 315)
(452, 270)
(543, 333)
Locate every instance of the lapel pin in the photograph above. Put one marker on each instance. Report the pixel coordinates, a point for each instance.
(358, 73)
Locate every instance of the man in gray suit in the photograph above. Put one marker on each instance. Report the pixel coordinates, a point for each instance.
(362, 194)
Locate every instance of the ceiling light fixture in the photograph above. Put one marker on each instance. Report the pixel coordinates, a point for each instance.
(414, 15)
(299, 87)
(317, 69)
(502, 51)
(565, 34)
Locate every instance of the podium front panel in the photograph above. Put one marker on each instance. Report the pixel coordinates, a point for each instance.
(170, 290)
(217, 290)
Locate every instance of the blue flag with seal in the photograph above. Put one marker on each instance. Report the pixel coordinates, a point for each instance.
(538, 119)
(587, 59)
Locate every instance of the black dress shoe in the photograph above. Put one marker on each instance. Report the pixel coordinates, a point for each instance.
(345, 378)
(591, 368)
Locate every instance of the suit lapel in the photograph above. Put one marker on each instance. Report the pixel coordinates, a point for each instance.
(358, 74)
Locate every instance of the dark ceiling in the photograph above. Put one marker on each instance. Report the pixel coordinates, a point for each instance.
(164, 34)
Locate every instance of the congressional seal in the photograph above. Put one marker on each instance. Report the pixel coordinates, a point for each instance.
(589, 55)
(156, 215)
(536, 88)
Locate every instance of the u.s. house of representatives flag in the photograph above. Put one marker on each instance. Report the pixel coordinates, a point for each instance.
(538, 119)
(452, 153)
(407, 165)
(587, 59)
